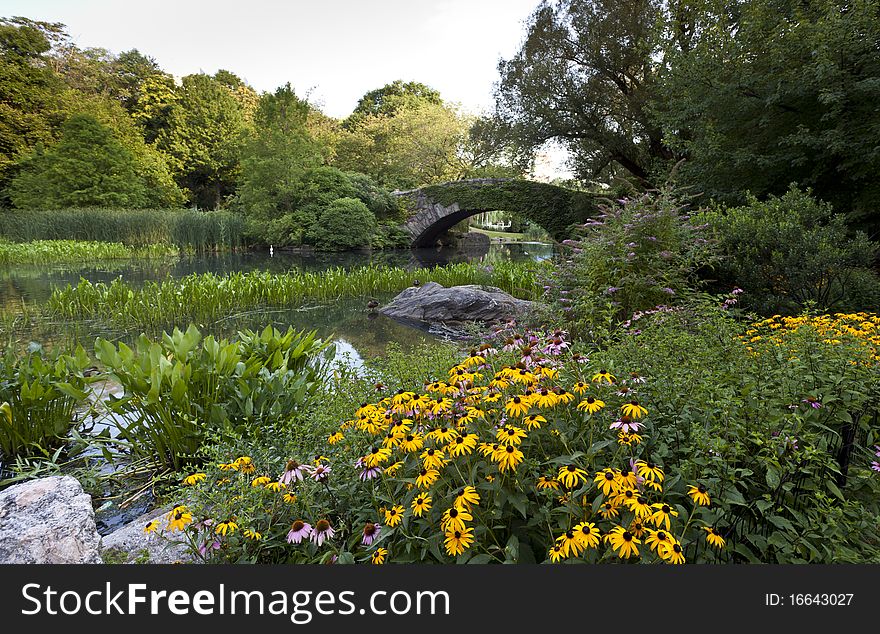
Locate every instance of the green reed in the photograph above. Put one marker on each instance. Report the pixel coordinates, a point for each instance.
(68, 251)
(208, 297)
(184, 228)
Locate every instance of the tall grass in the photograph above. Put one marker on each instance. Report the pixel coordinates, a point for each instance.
(208, 297)
(66, 251)
(185, 229)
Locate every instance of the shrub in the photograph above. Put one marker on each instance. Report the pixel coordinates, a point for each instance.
(346, 223)
(638, 253)
(178, 389)
(792, 250)
(40, 394)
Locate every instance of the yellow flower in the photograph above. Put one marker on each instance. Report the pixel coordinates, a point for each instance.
(194, 478)
(227, 466)
(178, 518)
(442, 434)
(457, 541)
(517, 406)
(275, 487)
(421, 504)
(290, 498)
(545, 482)
(244, 464)
(261, 481)
(394, 515)
(391, 470)
(534, 421)
(571, 476)
(699, 494)
(591, 405)
(587, 534)
(462, 445)
(633, 410)
(510, 435)
(713, 537)
(226, 526)
(545, 398)
(570, 544)
(467, 498)
(556, 553)
(657, 539)
(639, 506)
(412, 443)
(254, 535)
(603, 375)
(607, 481)
(433, 458)
(379, 556)
(671, 552)
(662, 514)
(623, 541)
(649, 471)
(335, 438)
(152, 526)
(454, 519)
(426, 478)
(609, 510)
(507, 457)
(580, 387)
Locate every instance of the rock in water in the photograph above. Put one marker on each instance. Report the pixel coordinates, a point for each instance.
(433, 303)
(48, 521)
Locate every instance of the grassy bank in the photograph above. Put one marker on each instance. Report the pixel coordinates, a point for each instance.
(69, 251)
(184, 229)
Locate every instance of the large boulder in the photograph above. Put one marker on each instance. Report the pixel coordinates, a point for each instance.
(456, 305)
(129, 544)
(48, 521)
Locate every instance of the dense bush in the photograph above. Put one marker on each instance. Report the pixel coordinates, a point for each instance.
(792, 250)
(638, 253)
(346, 223)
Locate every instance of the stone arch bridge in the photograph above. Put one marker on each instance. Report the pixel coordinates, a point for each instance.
(434, 209)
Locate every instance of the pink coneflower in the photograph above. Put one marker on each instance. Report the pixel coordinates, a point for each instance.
(367, 473)
(813, 402)
(371, 533)
(627, 424)
(212, 545)
(322, 531)
(320, 473)
(875, 465)
(556, 346)
(299, 530)
(293, 472)
(635, 377)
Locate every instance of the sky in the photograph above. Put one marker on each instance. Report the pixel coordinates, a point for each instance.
(332, 50)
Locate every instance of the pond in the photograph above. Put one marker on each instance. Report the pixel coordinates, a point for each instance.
(358, 332)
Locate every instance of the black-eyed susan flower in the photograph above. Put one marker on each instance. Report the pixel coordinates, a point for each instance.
(556, 553)
(534, 421)
(152, 526)
(507, 457)
(545, 398)
(570, 544)
(391, 470)
(467, 498)
(457, 541)
(607, 481)
(421, 504)
(588, 534)
(547, 482)
(335, 437)
(699, 494)
(454, 519)
(637, 528)
(713, 537)
(442, 434)
(623, 542)
(603, 376)
(244, 464)
(627, 478)
(672, 553)
(226, 526)
(657, 539)
(510, 435)
(462, 445)
(260, 481)
(290, 498)
(649, 471)
(379, 556)
(252, 534)
(178, 518)
(640, 506)
(571, 476)
(433, 458)
(580, 387)
(633, 410)
(661, 514)
(565, 397)
(426, 478)
(275, 487)
(376, 456)
(394, 515)
(194, 478)
(412, 443)
(517, 406)
(591, 405)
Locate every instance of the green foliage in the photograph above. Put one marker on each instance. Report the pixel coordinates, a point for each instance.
(180, 388)
(346, 223)
(638, 254)
(188, 229)
(209, 297)
(88, 167)
(793, 251)
(47, 251)
(39, 393)
(762, 93)
(554, 208)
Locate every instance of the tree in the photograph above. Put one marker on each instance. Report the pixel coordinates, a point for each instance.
(28, 89)
(585, 77)
(762, 93)
(391, 98)
(345, 223)
(203, 140)
(275, 158)
(87, 168)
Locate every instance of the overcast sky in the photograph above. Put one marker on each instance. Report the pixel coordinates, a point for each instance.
(337, 49)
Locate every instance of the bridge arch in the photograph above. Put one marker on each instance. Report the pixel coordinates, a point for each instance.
(434, 209)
